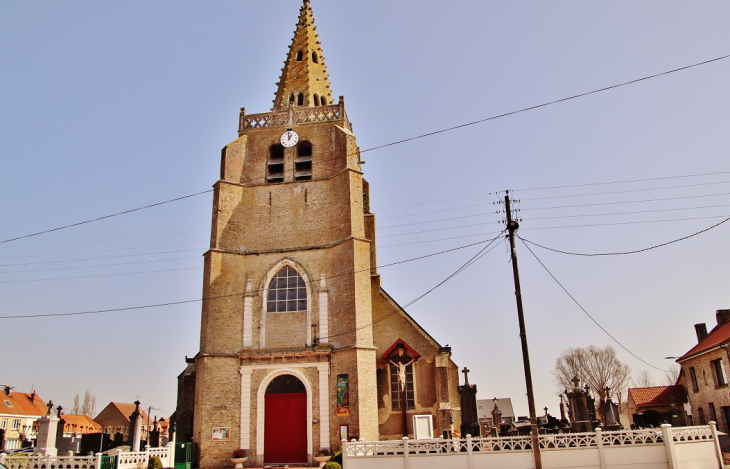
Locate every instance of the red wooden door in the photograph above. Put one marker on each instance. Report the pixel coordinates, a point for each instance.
(285, 428)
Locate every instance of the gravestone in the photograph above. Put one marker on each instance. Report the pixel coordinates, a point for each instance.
(581, 408)
(611, 420)
(469, 416)
(46, 438)
(135, 427)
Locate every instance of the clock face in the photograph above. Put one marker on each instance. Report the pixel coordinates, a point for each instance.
(289, 138)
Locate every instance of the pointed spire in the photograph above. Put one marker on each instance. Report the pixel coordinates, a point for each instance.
(304, 80)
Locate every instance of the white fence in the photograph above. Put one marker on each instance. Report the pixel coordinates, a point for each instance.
(121, 460)
(665, 448)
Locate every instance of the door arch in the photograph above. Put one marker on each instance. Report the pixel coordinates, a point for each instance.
(285, 421)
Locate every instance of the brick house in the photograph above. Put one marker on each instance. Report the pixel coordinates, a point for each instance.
(704, 373)
(77, 425)
(19, 413)
(114, 418)
(300, 346)
(658, 404)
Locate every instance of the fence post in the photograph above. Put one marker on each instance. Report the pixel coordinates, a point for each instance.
(599, 444)
(406, 465)
(98, 460)
(170, 454)
(117, 460)
(718, 451)
(469, 451)
(669, 444)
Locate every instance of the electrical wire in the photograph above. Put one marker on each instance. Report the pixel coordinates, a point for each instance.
(101, 275)
(627, 191)
(626, 202)
(233, 294)
(628, 252)
(98, 265)
(586, 312)
(395, 311)
(141, 254)
(635, 212)
(642, 222)
(498, 116)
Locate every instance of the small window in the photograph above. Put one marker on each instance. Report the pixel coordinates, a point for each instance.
(4, 424)
(701, 411)
(16, 424)
(713, 414)
(314, 57)
(300, 56)
(291, 98)
(693, 378)
(303, 162)
(287, 292)
(316, 100)
(275, 170)
(718, 370)
(300, 100)
(395, 388)
(323, 101)
(8, 403)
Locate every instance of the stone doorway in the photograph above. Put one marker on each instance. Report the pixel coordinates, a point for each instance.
(285, 421)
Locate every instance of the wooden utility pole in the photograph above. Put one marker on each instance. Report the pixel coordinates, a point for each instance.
(512, 226)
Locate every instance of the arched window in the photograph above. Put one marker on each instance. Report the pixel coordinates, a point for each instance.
(276, 164)
(287, 292)
(291, 98)
(303, 162)
(300, 56)
(316, 100)
(323, 101)
(300, 100)
(314, 57)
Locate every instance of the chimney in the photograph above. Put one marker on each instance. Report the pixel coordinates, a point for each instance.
(7, 390)
(701, 330)
(723, 316)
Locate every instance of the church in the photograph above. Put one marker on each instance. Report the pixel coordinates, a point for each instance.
(300, 346)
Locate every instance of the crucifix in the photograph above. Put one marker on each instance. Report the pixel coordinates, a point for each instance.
(466, 375)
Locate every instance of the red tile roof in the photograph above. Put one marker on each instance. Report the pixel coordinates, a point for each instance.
(83, 424)
(717, 336)
(23, 404)
(658, 396)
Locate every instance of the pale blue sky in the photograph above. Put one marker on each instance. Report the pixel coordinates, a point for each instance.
(107, 106)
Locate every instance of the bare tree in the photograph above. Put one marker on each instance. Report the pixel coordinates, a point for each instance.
(671, 375)
(76, 409)
(643, 380)
(89, 406)
(598, 367)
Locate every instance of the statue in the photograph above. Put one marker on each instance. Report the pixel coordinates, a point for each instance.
(401, 373)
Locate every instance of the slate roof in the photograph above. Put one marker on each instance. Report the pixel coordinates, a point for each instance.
(717, 336)
(485, 406)
(657, 396)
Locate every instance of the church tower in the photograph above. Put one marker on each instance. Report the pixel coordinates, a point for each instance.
(294, 322)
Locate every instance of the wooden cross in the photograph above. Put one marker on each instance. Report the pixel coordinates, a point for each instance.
(466, 375)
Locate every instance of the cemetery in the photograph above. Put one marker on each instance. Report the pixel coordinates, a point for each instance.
(95, 450)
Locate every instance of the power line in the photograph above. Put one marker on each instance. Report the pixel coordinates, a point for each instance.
(142, 254)
(642, 222)
(102, 250)
(628, 252)
(398, 142)
(103, 240)
(530, 108)
(586, 312)
(105, 217)
(232, 294)
(635, 212)
(101, 275)
(627, 191)
(98, 265)
(685, 197)
(395, 311)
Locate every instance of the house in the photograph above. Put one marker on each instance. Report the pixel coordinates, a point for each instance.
(301, 347)
(652, 406)
(115, 418)
(19, 413)
(704, 373)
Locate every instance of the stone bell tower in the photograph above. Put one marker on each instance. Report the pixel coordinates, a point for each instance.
(288, 280)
